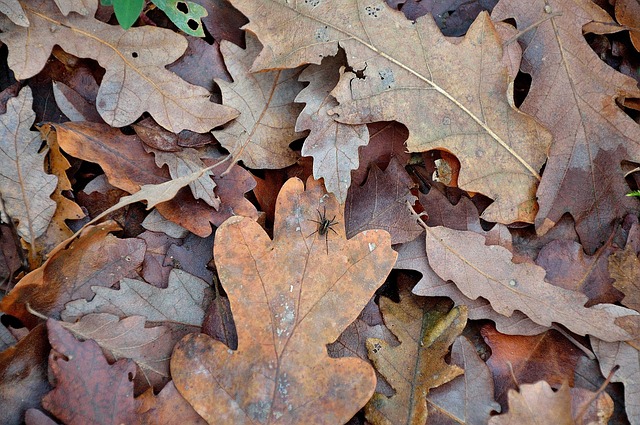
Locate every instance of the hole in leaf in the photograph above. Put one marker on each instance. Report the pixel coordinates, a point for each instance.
(11, 321)
(192, 24)
(521, 87)
(134, 54)
(182, 7)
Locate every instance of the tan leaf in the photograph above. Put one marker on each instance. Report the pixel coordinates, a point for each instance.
(135, 80)
(82, 7)
(426, 329)
(574, 93)
(184, 301)
(261, 135)
(485, 271)
(13, 10)
(333, 145)
(450, 96)
(149, 348)
(289, 298)
(624, 267)
(25, 188)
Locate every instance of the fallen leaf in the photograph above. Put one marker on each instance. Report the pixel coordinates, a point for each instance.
(304, 296)
(167, 408)
(158, 138)
(487, 271)
(149, 348)
(426, 330)
(333, 145)
(573, 93)
(624, 267)
(136, 79)
(201, 64)
(25, 188)
(155, 267)
(12, 9)
(223, 21)
(184, 301)
(526, 359)
(386, 140)
(536, 404)
(628, 14)
(95, 258)
(381, 203)
(81, 7)
(467, 399)
(23, 375)
(88, 389)
(261, 135)
(155, 222)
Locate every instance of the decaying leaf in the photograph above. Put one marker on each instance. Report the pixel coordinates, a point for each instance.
(624, 267)
(261, 135)
(573, 93)
(25, 188)
(136, 79)
(450, 96)
(290, 297)
(333, 145)
(77, 366)
(96, 258)
(167, 408)
(485, 271)
(425, 330)
(184, 301)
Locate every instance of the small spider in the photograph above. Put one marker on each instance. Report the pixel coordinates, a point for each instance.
(324, 225)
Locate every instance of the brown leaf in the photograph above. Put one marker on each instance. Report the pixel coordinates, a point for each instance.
(23, 375)
(333, 145)
(536, 404)
(624, 267)
(487, 271)
(223, 21)
(88, 389)
(426, 329)
(201, 63)
(527, 359)
(158, 138)
(467, 399)
(381, 203)
(574, 94)
(303, 297)
(261, 135)
(149, 348)
(25, 188)
(96, 258)
(628, 13)
(136, 79)
(167, 408)
(184, 301)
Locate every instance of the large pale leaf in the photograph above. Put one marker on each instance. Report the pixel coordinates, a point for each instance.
(573, 93)
(261, 135)
(135, 80)
(25, 188)
(13, 10)
(450, 96)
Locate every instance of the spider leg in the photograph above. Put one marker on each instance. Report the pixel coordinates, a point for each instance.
(333, 230)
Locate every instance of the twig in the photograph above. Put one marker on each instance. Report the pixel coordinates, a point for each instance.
(584, 409)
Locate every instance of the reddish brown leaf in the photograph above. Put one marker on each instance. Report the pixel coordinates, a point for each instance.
(624, 267)
(23, 375)
(77, 367)
(304, 296)
(386, 140)
(628, 13)
(381, 203)
(223, 21)
(97, 258)
(201, 63)
(167, 408)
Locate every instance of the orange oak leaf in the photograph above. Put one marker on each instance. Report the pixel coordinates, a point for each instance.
(450, 96)
(136, 79)
(261, 135)
(574, 93)
(97, 258)
(167, 408)
(290, 296)
(25, 188)
(487, 271)
(333, 145)
(426, 329)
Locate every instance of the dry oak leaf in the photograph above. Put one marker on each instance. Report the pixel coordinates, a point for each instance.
(468, 399)
(485, 271)
(450, 96)
(149, 348)
(261, 135)
(25, 188)
(96, 258)
(290, 297)
(88, 389)
(426, 329)
(167, 408)
(333, 145)
(135, 80)
(624, 267)
(539, 404)
(13, 10)
(184, 301)
(573, 93)
(381, 203)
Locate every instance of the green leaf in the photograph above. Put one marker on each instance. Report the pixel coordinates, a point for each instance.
(185, 14)
(634, 193)
(127, 11)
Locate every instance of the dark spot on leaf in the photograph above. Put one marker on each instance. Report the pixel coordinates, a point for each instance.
(134, 54)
